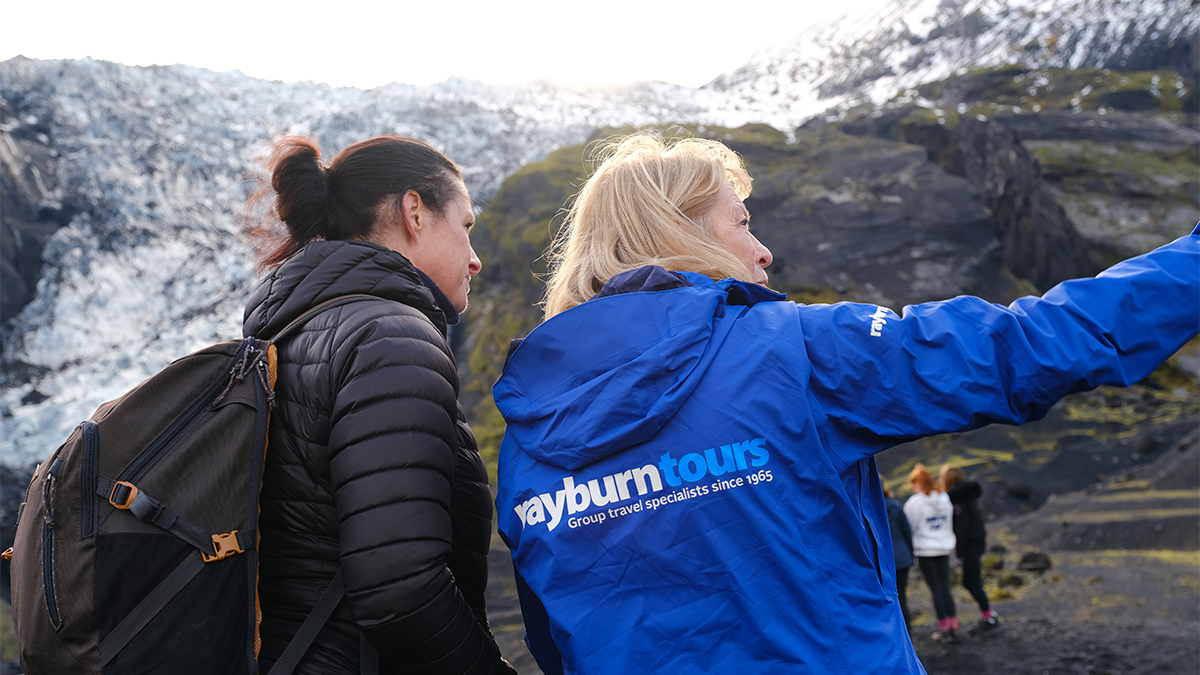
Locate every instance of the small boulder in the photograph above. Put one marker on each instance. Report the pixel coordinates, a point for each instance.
(1019, 490)
(1034, 562)
(1010, 581)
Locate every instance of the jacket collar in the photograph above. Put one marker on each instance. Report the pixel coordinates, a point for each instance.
(324, 270)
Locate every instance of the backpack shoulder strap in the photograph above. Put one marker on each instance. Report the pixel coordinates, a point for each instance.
(311, 627)
(328, 304)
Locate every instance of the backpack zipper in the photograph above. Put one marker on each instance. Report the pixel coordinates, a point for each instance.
(89, 513)
(48, 544)
(139, 466)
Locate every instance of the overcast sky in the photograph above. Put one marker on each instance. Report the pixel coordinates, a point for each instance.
(369, 44)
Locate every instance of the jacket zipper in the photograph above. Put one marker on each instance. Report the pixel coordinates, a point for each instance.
(48, 544)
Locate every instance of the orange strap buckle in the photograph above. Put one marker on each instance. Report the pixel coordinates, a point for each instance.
(224, 545)
(123, 494)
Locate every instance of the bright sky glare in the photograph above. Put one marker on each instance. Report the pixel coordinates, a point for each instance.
(368, 44)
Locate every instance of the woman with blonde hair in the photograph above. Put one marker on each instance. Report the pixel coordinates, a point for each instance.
(930, 516)
(687, 479)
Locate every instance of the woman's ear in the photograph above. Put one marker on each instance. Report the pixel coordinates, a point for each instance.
(399, 221)
(412, 214)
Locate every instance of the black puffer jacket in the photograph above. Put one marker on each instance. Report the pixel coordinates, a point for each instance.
(371, 469)
(970, 533)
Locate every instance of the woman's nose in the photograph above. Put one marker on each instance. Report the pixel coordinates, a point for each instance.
(474, 266)
(764, 255)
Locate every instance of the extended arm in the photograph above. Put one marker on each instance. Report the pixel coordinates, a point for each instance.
(959, 364)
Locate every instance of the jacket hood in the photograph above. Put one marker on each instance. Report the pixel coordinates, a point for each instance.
(608, 374)
(324, 270)
(965, 491)
(932, 500)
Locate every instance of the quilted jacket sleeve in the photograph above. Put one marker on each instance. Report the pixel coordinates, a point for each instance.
(391, 454)
(883, 379)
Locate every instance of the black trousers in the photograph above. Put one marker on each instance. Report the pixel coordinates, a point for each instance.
(971, 577)
(936, 571)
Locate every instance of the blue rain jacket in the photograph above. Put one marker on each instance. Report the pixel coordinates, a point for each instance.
(687, 479)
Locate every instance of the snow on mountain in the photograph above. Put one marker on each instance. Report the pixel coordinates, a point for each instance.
(151, 166)
(908, 42)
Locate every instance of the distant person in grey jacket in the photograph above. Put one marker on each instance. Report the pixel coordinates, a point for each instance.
(902, 546)
(931, 515)
(971, 537)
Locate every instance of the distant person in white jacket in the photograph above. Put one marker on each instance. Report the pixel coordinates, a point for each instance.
(931, 516)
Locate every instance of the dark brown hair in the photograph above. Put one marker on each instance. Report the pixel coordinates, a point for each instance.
(340, 201)
(950, 476)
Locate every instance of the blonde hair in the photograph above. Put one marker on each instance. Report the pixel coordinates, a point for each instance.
(950, 476)
(922, 481)
(644, 205)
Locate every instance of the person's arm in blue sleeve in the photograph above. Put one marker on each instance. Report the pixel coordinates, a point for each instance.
(882, 379)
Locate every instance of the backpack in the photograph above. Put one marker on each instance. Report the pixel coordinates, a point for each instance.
(136, 547)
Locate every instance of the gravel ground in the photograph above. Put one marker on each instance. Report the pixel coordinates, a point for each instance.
(1060, 647)
(1069, 620)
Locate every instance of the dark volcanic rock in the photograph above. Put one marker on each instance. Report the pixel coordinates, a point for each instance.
(1154, 507)
(1110, 128)
(872, 220)
(1039, 242)
(1034, 562)
(1114, 156)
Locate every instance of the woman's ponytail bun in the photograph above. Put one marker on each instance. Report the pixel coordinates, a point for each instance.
(341, 200)
(301, 188)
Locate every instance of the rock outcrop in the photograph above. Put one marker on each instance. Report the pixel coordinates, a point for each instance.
(1109, 155)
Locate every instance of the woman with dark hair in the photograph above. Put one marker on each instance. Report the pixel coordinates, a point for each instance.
(970, 535)
(687, 479)
(371, 469)
(930, 515)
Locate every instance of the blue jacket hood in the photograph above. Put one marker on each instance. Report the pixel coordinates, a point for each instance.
(576, 390)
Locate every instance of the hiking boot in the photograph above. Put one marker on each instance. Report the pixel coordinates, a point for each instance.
(946, 637)
(985, 626)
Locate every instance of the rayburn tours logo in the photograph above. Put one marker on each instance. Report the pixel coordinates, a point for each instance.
(878, 321)
(575, 499)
